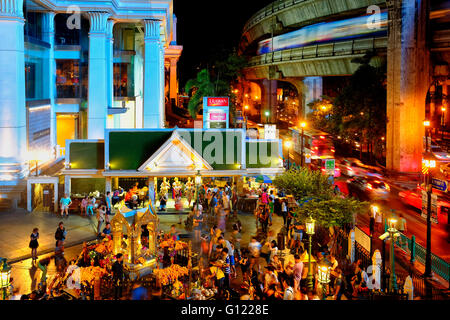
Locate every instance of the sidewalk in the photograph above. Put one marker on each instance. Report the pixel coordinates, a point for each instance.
(17, 225)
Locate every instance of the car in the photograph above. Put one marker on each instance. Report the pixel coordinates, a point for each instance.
(351, 168)
(440, 154)
(413, 198)
(368, 188)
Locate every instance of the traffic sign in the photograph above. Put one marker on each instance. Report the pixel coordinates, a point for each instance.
(440, 185)
(330, 165)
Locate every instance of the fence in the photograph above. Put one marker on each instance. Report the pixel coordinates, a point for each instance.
(416, 251)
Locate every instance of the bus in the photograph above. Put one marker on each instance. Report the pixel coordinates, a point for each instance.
(317, 144)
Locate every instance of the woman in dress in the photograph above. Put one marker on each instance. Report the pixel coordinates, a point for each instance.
(34, 243)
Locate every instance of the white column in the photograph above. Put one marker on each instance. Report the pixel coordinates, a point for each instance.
(162, 117)
(153, 109)
(173, 85)
(110, 62)
(48, 35)
(312, 90)
(98, 76)
(67, 185)
(13, 130)
(108, 184)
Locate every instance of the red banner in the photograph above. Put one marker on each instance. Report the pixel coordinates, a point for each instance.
(218, 102)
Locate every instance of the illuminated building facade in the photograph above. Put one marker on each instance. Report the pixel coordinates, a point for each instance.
(71, 69)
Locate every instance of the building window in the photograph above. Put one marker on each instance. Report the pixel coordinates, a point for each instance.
(33, 25)
(34, 78)
(123, 80)
(63, 35)
(68, 78)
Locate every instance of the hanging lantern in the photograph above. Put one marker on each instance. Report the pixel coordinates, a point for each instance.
(310, 225)
(324, 270)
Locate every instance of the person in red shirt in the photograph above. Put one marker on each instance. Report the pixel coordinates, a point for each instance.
(128, 198)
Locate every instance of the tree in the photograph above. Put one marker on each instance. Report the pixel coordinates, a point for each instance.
(215, 80)
(360, 109)
(304, 184)
(202, 86)
(315, 194)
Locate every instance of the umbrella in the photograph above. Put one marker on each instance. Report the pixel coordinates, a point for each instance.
(263, 179)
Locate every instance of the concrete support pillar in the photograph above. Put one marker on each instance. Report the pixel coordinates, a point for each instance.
(173, 95)
(408, 80)
(13, 128)
(98, 75)
(153, 106)
(115, 183)
(269, 100)
(48, 35)
(312, 90)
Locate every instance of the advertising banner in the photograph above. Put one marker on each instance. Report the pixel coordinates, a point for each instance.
(216, 112)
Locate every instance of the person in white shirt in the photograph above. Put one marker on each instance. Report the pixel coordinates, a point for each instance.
(288, 287)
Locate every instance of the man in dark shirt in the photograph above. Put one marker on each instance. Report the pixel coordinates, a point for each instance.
(117, 270)
(60, 234)
(106, 231)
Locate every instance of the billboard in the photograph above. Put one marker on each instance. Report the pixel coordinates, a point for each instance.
(216, 112)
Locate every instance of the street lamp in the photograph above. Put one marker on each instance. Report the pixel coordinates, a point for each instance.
(302, 125)
(429, 164)
(324, 271)
(392, 234)
(288, 145)
(198, 182)
(310, 231)
(5, 276)
(267, 113)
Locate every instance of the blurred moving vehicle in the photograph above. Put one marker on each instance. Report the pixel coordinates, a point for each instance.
(327, 32)
(368, 188)
(413, 198)
(440, 154)
(352, 167)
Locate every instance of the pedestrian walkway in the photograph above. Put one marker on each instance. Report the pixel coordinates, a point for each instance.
(17, 225)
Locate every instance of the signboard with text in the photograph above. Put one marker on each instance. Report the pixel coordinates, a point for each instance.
(434, 205)
(330, 165)
(216, 112)
(440, 185)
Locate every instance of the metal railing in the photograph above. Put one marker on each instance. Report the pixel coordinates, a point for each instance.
(280, 5)
(416, 251)
(270, 10)
(343, 48)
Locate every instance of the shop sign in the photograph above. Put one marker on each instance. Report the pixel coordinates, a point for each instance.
(218, 102)
(217, 116)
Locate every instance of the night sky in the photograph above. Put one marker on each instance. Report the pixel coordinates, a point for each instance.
(206, 26)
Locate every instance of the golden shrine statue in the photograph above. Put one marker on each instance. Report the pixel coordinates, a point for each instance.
(189, 190)
(165, 186)
(133, 250)
(176, 185)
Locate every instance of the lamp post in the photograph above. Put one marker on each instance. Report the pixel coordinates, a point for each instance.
(392, 234)
(310, 231)
(5, 276)
(267, 113)
(443, 109)
(302, 125)
(324, 270)
(288, 145)
(429, 164)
